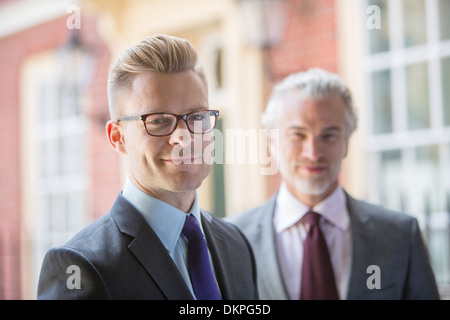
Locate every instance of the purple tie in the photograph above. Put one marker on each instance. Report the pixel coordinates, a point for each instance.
(317, 273)
(200, 269)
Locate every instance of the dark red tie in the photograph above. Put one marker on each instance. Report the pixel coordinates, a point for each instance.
(317, 273)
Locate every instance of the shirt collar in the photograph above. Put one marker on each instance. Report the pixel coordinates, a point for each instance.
(166, 220)
(334, 209)
(290, 210)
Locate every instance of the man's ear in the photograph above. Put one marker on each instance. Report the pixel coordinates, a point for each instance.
(115, 136)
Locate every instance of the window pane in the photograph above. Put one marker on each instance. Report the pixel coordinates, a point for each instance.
(72, 154)
(382, 108)
(438, 245)
(446, 89)
(48, 104)
(42, 158)
(75, 210)
(444, 19)
(391, 179)
(56, 212)
(218, 175)
(379, 38)
(69, 101)
(417, 96)
(51, 157)
(427, 176)
(414, 22)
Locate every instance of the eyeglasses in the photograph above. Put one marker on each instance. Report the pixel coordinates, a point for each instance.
(160, 124)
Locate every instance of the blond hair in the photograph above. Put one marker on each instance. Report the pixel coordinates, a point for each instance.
(159, 53)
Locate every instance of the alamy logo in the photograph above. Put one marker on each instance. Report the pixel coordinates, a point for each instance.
(74, 20)
(374, 20)
(374, 280)
(74, 280)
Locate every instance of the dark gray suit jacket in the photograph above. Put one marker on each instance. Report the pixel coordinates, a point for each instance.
(120, 257)
(380, 237)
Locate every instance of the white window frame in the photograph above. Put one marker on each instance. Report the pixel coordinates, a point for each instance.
(38, 72)
(396, 60)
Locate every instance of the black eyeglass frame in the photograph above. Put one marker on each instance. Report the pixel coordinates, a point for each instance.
(143, 118)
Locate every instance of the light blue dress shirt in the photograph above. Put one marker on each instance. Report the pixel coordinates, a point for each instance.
(167, 222)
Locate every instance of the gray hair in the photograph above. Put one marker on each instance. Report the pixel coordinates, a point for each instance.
(313, 83)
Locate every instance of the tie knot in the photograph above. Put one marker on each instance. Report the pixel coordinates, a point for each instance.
(191, 229)
(312, 218)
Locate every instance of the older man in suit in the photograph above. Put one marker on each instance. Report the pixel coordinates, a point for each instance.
(312, 240)
(156, 242)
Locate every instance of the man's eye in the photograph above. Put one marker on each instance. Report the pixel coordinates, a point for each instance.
(297, 135)
(330, 137)
(158, 121)
(196, 117)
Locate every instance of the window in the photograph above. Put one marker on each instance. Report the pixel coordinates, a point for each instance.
(407, 67)
(382, 115)
(55, 130)
(61, 167)
(417, 99)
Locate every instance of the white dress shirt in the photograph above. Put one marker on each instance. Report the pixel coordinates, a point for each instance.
(290, 233)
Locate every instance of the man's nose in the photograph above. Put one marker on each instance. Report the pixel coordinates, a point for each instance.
(312, 149)
(181, 134)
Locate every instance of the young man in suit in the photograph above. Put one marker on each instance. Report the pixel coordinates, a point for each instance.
(145, 246)
(366, 251)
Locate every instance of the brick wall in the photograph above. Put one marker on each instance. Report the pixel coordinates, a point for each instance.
(310, 39)
(9, 172)
(13, 50)
(103, 161)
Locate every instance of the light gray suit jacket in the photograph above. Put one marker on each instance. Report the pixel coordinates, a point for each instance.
(381, 237)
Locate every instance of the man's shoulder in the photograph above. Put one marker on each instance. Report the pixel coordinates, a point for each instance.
(234, 255)
(106, 235)
(229, 232)
(227, 228)
(375, 210)
(378, 215)
(249, 219)
(98, 231)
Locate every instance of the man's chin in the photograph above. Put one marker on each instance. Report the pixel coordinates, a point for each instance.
(185, 180)
(312, 188)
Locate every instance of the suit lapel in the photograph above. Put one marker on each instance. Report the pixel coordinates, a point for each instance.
(363, 251)
(151, 253)
(149, 250)
(221, 262)
(266, 252)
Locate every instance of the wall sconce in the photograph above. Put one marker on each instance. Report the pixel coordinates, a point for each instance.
(76, 67)
(263, 21)
(76, 63)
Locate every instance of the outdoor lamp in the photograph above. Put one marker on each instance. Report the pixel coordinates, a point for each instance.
(76, 62)
(263, 21)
